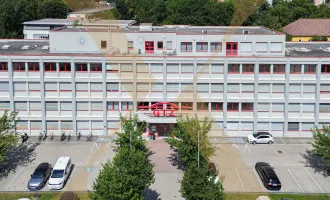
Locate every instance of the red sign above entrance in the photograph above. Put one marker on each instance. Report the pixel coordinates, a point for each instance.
(163, 109)
(163, 113)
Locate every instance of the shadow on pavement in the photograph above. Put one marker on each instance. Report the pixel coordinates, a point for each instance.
(316, 162)
(150, 194)
(20, 155)
(176, 160)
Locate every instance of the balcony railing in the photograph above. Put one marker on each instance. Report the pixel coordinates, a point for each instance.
(231, 52)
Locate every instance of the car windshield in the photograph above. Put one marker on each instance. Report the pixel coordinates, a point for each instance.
(255, 135)
(38, 174)
(57, 173)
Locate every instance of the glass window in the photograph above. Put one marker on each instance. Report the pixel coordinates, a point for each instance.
(33, 66)
(65, 67)
(113, 105)
(126, 106)
(103, 44)
(279, 69)
(112, 87)
(293, 126)
(169, 45)
(130, 44)
(216, 87)
(295, 69)
(203, 106)
(50, 67)
(96, 67)
(233, 68)
(216, 106)
(202, 46)
(4, 66)
(325, 69)
(264, 69)
(81, 67)
(216, 46)
(160, 45)
(216, 69)
(309, 69)
(203, 87)
(18, 66)
(232, 107)
(186, 46)
(247, 106)
(186, 105)
(248, 68)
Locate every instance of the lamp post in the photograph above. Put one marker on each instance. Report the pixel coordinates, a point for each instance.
(198, 149)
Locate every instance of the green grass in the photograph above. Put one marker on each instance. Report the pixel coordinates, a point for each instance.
(254, 196)
(44, 195)
(107, 14)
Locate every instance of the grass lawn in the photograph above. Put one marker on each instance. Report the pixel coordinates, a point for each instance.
(254, 196)
(107, 14)
(44, 195)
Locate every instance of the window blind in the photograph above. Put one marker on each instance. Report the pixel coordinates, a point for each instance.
(187, 87)
(82, 106)
(294, 107)
(216, 87)
(203, 68)
(65, 86)
(142, 87)
(262, 126)
(172, 68)
(4, 86)
(20, 86)
(307, 126)
(309, 88)
(96, 87)
(294, 88)
(4, 105)
(232, 126)
(308, 107)
(261, 46)
(126, 105)
(202, 87)
(246, 46)
(217, 68)
(52, 125)
(142, 68)
(278, 107)
(112, 66)
(172, 87)
(35, 106)
(113, 124)
(263, 107)
(217, 125)
(156, 68)
(82, 86)
(36, 125)
(126, 87)
(277, 126)
(97, 125)
(264, 88)
(278, 88)
(125, 67)
(83, 125)
(66, 125)
(325, 87)
(51, 86)
(96, 106)
(112, 86)
(22, 125)
(187, 68)
(293, 126)
(247, 126)
(157, 87)
(34, 86)
(52, 106)
(247, 87)
(66, 106)
(21, 106)
(275, 46)
(233, 88)
(112, 105)
(325, 107)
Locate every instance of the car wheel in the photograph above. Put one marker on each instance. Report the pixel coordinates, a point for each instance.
(270, 142)
(254, 142)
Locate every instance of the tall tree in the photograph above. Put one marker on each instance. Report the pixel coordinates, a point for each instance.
(54, 9)
(126, 177)
(8, 139)
(322, 143)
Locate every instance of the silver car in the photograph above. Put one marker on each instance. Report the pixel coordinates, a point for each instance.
(260, 138)
(40, 176)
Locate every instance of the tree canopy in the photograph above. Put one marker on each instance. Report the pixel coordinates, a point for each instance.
(321, 143)
(8, 138)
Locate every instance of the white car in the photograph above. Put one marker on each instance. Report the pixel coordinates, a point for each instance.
(260, 138)
(60, 173)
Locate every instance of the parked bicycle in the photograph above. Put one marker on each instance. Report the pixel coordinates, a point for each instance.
(40, 136)
(89, 137)
(24, 137)
(78, 136)
(69, 136)
(51, 136)
(44, 136)
(62, 136)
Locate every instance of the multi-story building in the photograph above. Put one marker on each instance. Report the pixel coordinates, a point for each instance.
(245, 78)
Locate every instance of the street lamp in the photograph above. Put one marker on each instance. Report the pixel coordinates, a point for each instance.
(198, 149)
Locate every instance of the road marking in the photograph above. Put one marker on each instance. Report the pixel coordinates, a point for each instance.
(313, 180)
(234, 145)
(240, 180)
(94, 145)
(295, 180)
(263, 189)
(14, 178)
(282, 140)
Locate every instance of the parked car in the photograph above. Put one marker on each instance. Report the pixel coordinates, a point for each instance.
(260, 138)
(40, 176)
(268, 176)
(60, 173)
(69, 196)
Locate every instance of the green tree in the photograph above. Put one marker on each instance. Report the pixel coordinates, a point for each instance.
(8, 139)
(131, 131)
(126, 177)
(54, 9)
(321, 143)
(186, 139)
(319, 38)
(199, 184)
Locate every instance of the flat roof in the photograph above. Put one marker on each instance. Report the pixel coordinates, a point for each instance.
(307, 49)
(181, 30)
(49, 21)
(108, 22)
(90, 11)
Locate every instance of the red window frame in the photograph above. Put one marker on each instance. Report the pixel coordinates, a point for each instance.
(295, 70)
(113, 105)
(143, 106)
(246, 105)
(203, 106)
(19, 68)
(34, 67)
(309, 70)
(279, 70)
(96, 68)
(232, 107)
(158, 42)
(185, 106)
(232, 48)
(202, 45)
(232, 71)
(67, 67)
(80, 67)
(52, 67)
(127, 105)
(3, 67)
(217, 105)
(218, 46)
(264, 70)
(149, 46)
(248, 71)
(326, 69)
(186, 45)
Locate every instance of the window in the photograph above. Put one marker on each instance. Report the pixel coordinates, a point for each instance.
(308, 108)
(142, 68)
(112, 105)
(294, 88)
(233, 68)
(216, 106)
(261, 46)
(231, 48)
(96, 87)
(263, 107)
(203, 87)
(130, 45)
(65, 87)
(248, 68)
(247, 107)
(51, 106)
(309, 69)
(143, 105)
(36, 125)
(264, 69)
(160, 45)
(216, 87)
(4, 105)
(168, 45)
(246, 47)
(4, 66)
(309, 88)
(113, 124)
(325, 88)
(276, 47)
(307, 126)
(232, 126)
(279, 69)
(66, 106)
(262, 126)
(187, 87)
(156, 68)
(247, 88)
(34, 86)
(232, 107)
(216, 69)
(112, 67)
(97, 106)
(83, 125)
(202, 46)
(112, 87)
(157, 87)
(51, 87)
(203, 68)
(233, 88)
(172, 87)
(295, 69)
(52, 125)
(82, 87)
(202, 106)
(4, 86)
(20, 86)
(277, 126)
(264, 88)
(294, 107)
(187, 68)
(293, 126)
(33, 66)
(35, 106)
(22, 125)
(66, 125)
(82, 106)
(142, 87)
(81, 67)
(18, 66)
(149, 46)
(96, 67)
(247, 126)
(277, 107)
(97, 125)
(126, 67)
(50, 67)
(278, 88)
(325, 107)
(216, 46)
(65, 67)
(21, 106)
(126, 87)
(186, 46)
(325, 69)
(173, 68)
(126, 106)
(103, 44)
(186, 105)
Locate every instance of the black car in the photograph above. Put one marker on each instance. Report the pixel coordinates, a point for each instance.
(268, 176)
(40, 176)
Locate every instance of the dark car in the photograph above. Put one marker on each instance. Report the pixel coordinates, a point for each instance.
(268, 176)
(40, 176)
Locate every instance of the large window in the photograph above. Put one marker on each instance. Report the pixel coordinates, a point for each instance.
(81, 67)
(295, 69)
(4, 86)
(248, 68)
(187, 87)
(216, 87)
(33, 66)
(96, 67)
(82, 87)
(35, 106)
(112, 87)
(216, 46)
(157, 87)
(233, 88)
(186, 105)
(82, 106)
(112, 67)
(112, 106)
(308, 108)
(65, 67)
(51, 87)
(279, 69)
(34, 87)
(325, 107)
(232, 107)
(21, 106)
(18, 66)
(173, 68)
(203, 68)
(51, 106)
(264, 69)
(216, 69)
(142, 87)
(65, 87)
(126, 67)
(156, 68)
(50, 67)
(216, 106)
(309, 88)
(4, 105)
(261, 46)
(247, 88)
(263, 107)
(126, 106)
(96, 106)
(309, 69)
(202, 106)
(233, 68)
(202, 46)
(325, 69)
(66, 125)
(4, 66)
(264, 88)
(277, 107)
(295, 88)
(203, 87)
(96, 87)
(278, 88)
(142, 68)
(325, 88)
(293, 126)
(186, 46)
(36, 125)
(66, 106)
(187, 68)
(294, 107)
(126, 87)
(20, 86)
(247, 107)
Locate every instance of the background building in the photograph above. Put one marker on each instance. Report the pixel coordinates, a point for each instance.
(246, 78)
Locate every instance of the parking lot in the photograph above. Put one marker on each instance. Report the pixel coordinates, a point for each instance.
(298, 170)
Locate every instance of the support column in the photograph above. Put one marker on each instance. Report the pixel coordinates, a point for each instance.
(73, 89)
(11, 84)
(134, 86)
(256, 100)
(104, 89)
(165, 80)
(42, 94)
(195, 85)
(224, 105)
(286, 96)
(317, 92)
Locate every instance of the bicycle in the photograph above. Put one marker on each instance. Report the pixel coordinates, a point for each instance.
(62, 136)
(69, 136)
(40, 136)
(44, 136)
(51, 136)
(24, 137)
(78, 136)
(89, 137)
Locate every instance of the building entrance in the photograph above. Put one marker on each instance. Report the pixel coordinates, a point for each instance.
(164, 130)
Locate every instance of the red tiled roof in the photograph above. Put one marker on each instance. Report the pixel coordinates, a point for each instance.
(308, 27)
